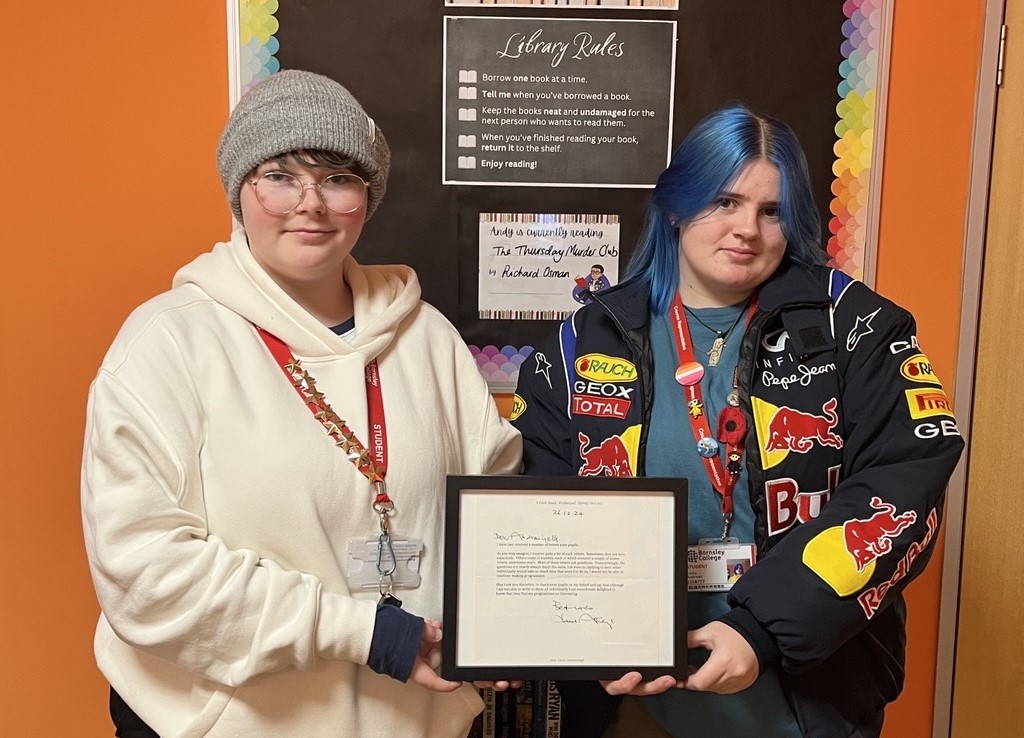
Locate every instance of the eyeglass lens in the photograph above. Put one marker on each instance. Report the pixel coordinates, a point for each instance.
(281, 193)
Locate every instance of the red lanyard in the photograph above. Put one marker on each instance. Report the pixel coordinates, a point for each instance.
(372, 463)
(731, 424)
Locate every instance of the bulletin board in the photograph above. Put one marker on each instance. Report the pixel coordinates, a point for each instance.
(819, 65)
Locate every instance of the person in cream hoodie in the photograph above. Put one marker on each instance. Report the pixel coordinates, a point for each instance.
(279, 405)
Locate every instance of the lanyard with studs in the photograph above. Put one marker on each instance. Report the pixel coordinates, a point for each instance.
(372, 463)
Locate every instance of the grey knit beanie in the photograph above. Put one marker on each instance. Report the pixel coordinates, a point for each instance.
(294, 110)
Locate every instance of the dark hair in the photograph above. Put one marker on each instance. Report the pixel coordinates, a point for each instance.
(598, 267)
(710, 158)
(320, 158)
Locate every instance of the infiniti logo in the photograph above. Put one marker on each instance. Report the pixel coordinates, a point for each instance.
(776, 342)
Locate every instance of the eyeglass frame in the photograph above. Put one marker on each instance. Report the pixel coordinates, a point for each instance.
(317, 186)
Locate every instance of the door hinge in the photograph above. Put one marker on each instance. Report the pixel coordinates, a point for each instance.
(1002, 50)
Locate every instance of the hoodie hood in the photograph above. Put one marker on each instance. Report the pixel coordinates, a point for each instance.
(382, 297)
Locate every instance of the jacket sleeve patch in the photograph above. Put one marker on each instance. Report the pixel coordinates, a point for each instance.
(844, 556)
(928, 402)
(919, 369)
(518, 407)
(860, 329)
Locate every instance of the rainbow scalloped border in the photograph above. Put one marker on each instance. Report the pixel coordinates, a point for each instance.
(256, 42)
(851, 187)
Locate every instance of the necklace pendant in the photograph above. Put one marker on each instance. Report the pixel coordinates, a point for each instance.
(716, 351)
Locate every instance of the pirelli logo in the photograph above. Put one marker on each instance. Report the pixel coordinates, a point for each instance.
(925, 403)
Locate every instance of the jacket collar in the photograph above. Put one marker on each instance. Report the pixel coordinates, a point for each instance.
(792, 283)
(629, 302)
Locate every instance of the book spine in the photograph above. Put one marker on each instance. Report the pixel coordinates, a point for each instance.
(553, 713)
(488, 714)
(524, 711)
(539, 688)
(504, 714)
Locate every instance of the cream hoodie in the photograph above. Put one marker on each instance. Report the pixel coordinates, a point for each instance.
(217, 511)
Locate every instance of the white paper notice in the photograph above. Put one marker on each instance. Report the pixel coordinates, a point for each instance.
(555, 579)
(536, 266)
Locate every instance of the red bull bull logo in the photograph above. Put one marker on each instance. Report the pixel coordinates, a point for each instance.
(866, 540)
(794, 430)
(609, 458)
(871, 599)
(845, 556)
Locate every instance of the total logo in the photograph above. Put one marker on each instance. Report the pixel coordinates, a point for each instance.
(844, 555)
(918, 369)
(601, 368)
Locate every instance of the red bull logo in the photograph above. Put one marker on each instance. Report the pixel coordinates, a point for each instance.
(612, 457)
(794, 430)
(871, 599)
(787, 505)
(845, 556)
(866, 540)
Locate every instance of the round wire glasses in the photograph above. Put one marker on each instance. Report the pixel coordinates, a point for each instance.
(280, 193)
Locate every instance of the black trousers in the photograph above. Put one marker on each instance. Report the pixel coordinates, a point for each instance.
(587, 710)
(126, 723)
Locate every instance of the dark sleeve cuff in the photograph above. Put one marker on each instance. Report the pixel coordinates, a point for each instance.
(742, 621)
(396, 640)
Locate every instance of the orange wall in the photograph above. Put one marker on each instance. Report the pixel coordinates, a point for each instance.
(112, 116)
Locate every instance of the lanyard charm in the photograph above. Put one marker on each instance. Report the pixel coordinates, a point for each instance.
(386, 565)
(382, 504)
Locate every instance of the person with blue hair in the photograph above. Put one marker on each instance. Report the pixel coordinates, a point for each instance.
(814, 435)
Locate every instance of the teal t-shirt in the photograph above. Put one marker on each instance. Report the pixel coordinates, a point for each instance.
(762, 709)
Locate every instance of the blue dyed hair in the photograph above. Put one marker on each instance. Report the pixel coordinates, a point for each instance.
(705, 164)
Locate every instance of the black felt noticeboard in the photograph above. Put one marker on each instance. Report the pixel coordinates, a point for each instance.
(781, 58)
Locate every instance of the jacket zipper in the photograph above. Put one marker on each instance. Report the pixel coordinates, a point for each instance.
(641, 359)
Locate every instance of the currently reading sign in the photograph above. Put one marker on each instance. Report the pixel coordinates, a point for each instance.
(542, 266)
(570, 102)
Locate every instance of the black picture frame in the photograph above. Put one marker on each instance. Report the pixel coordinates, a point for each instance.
(555, 491)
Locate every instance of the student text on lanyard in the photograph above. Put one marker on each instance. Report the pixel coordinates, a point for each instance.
(731, 424)
(372, 463)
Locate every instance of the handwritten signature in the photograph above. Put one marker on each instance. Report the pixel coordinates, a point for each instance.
(517, 536)
(568, 614)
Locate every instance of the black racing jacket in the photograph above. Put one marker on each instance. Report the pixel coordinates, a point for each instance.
(850, 444)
